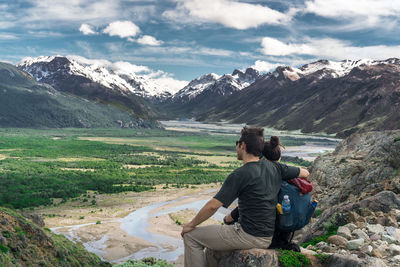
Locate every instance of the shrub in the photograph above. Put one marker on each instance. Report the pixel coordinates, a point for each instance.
(3, 248)
(318, 212)
(6, 234)
(331, 230)
(290, 258)
(323, 258)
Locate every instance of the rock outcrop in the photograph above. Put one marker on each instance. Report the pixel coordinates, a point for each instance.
(362, 165)
(357, 186)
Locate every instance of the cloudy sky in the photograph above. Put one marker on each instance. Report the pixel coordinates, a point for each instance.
(183, 39)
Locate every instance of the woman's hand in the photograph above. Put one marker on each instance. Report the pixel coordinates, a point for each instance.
(228, 219)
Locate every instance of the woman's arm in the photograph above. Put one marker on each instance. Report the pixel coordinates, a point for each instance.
(304, 173)
(232, 217)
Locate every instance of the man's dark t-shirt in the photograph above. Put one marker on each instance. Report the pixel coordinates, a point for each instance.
(257, 185)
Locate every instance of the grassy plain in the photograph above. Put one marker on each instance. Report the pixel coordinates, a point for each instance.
(45, 167)
(96, 176)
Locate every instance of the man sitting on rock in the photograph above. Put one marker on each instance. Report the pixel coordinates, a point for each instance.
(256, 185)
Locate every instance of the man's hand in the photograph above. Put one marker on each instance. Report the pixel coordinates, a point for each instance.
(187, 227)
(206, 212)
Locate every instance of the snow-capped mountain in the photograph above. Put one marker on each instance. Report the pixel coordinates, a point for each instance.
(206, 92)
(324, 96)
(25, 102)
(100, 81)
(119, 76)
(329, 69)
(197, 86)
(222, 85)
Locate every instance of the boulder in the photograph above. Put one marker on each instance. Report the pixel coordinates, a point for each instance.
(367, 249)
(389, 239)
(360, 234)
(393, 232)
(375, 229)
(344, 231)
(336, 260)
(375, 237)
(376, 253)
(396, 259)
(355, 244)
(394, 249)
(351, 226)
(251, 257)
(338, 241)
(375, 262)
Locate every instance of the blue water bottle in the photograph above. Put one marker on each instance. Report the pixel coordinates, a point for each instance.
(287, 215)
(286, 204)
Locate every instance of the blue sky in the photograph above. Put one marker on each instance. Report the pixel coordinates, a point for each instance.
(183, 39)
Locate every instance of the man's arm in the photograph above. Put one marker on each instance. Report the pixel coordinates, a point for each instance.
(206, 212)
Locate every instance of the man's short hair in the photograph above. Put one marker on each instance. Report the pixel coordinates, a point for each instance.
(254, 139)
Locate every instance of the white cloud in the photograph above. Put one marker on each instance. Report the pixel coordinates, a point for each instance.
(86, 29)
(362, 13)
(129, 68)
(74, 10)
(346, 8)
(275, 47)
(171, 83)
(182, 50)
(265, 66)
(328, 48)
(6, 36)
(45, 34)
(149, 40)
(229, 13)
(122, 29)
(61, 14)
(85, 47)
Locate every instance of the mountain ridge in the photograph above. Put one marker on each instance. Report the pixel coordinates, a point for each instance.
(27, 103)
(90, 82)
(367, 97)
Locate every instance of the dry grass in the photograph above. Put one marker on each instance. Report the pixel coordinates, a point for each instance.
(67, 159)
(184, 216)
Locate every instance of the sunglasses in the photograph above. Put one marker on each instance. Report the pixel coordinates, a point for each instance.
(238, 142)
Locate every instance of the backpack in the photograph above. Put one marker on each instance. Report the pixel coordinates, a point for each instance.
(301, 209)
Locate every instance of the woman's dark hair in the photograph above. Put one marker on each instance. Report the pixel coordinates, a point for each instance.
(272, 149)
(254, 139)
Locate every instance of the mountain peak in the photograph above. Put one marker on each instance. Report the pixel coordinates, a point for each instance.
(118, 76)
(215, 84)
